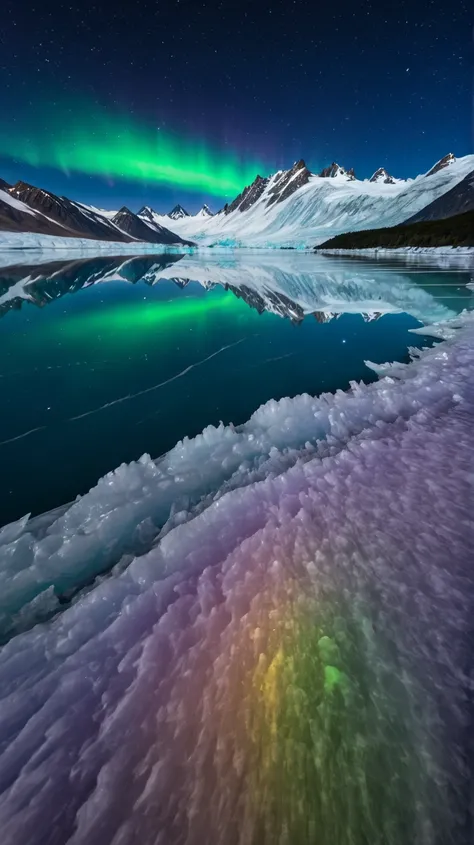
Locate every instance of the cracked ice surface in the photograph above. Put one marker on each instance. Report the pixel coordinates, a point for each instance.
(289, 661)
(124, 513)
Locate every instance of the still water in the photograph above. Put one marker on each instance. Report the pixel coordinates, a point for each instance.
(103, 359)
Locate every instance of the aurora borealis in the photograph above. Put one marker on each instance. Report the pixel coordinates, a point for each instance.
(115, 147)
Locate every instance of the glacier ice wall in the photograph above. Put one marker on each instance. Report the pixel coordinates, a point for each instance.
(289, 659)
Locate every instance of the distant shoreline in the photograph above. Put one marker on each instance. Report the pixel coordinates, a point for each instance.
(445, 234)
(402, 250)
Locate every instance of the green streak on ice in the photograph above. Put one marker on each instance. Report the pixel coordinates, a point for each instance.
(123, 324)
(141, 316)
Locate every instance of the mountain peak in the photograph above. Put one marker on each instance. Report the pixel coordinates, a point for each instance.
(205, 211)
(288, 181)
(448, 159)
(381, 175)
(248, 196)
(141, 230)
(178, 212)
(21, 186)
(336, 169)
(148, 213)
(27, 192)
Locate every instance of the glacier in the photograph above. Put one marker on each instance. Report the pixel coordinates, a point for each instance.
(262, 636)
(18, 241)
(321, 209)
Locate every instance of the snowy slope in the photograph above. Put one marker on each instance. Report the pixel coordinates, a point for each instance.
(104, 212)
(321, 208)
(7, 198)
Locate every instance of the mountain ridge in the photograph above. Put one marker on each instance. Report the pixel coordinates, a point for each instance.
(26, 208)
(299, 208)
(293, 207)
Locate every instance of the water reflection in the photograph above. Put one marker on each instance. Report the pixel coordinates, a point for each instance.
(152, 348)
(290, 285)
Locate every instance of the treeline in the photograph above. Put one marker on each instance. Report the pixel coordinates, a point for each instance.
(453, 231)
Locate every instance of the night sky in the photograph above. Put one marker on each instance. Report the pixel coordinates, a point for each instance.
(159, 102)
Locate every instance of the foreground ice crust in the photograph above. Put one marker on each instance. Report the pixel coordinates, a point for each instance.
(289, 663)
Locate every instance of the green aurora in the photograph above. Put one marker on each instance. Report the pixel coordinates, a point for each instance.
(116, 147)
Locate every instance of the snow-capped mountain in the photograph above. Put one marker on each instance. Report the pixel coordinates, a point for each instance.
(334, 170)
(299, 209)
(152, 217)
(17, 217)
(178, 213)
(142, 230)
(27, 209)
(448, 159)
(456, 201)
(381, 175)
(204, 212)
(290, 208)
(148, 213)
(71, 216)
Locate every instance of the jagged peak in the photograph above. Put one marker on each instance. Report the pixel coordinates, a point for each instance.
(448, 159)
(205, 211)
(22, 186)
(146, 210)
(382, 175)
(336, 169)
(177, 212)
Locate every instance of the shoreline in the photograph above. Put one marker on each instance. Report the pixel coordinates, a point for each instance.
(403, 250)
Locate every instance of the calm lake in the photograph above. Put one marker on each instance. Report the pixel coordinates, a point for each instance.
(103, 359)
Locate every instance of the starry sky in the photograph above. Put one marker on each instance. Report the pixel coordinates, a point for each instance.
(158, 102)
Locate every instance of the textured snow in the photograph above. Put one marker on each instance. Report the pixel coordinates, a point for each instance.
(104, 212)
(323, 208)
(289, 662)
